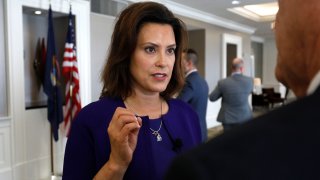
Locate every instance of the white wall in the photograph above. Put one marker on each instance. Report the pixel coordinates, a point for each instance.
(5, 126)
(101, 30)
(269, 62)
(3, 87)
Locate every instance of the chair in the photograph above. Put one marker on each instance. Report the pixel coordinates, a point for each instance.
(272, 96)
(259, 100)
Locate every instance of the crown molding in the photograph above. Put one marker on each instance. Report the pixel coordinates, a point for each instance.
(196, 14)
(257, 39)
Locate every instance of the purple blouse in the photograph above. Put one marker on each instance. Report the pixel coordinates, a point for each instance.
(88, 145)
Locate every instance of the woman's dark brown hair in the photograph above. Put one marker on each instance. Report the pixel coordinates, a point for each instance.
(116, 75)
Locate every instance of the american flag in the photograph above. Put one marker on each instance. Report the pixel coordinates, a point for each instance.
(70, 72)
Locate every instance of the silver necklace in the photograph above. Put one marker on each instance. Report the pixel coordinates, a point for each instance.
(156, 133)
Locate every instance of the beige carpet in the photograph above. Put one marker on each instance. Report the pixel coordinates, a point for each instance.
(215, 131)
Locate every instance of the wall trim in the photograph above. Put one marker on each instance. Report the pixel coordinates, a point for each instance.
(5, 119)
(196, 14)
(257, 39)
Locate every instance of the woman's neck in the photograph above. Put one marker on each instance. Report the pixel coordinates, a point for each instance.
(143, 105)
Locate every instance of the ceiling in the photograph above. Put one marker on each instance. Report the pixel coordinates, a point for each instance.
(219, 8)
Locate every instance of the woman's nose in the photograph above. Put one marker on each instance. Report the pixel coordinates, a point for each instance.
(162, 60)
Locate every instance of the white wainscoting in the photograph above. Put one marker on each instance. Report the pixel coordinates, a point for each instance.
(5, 147)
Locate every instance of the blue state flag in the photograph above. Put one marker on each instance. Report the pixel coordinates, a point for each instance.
(52, 84)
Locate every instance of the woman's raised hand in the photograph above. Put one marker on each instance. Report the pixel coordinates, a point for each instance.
(123, 133)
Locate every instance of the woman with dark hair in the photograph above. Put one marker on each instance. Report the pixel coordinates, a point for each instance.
(136, 128)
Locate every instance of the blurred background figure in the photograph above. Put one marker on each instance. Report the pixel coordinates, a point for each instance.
(195, 91)
(234, 91)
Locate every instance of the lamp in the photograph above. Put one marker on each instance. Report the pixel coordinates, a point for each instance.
(257, 85)
(257, 81)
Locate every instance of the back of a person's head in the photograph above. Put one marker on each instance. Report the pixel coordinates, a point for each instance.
(192, 56)
(237, 64)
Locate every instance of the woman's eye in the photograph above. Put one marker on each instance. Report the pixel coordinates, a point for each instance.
(171, 50)
(150, 49)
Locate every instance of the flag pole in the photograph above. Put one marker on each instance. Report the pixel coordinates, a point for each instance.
(54, 176)
(51, 151)
(70, 82)
(71, 76)
(71, 98)
(51, 134)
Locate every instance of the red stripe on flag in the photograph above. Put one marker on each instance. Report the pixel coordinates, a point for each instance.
(71, 73)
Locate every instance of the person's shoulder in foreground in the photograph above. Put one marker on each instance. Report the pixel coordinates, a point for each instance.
(283, 144)
(273, 146)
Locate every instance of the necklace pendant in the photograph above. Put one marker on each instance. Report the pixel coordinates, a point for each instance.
(159, 138)
(156, 133)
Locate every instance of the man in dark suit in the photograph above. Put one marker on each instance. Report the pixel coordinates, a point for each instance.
(195, 91)
(234, 91)
(285, 143)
